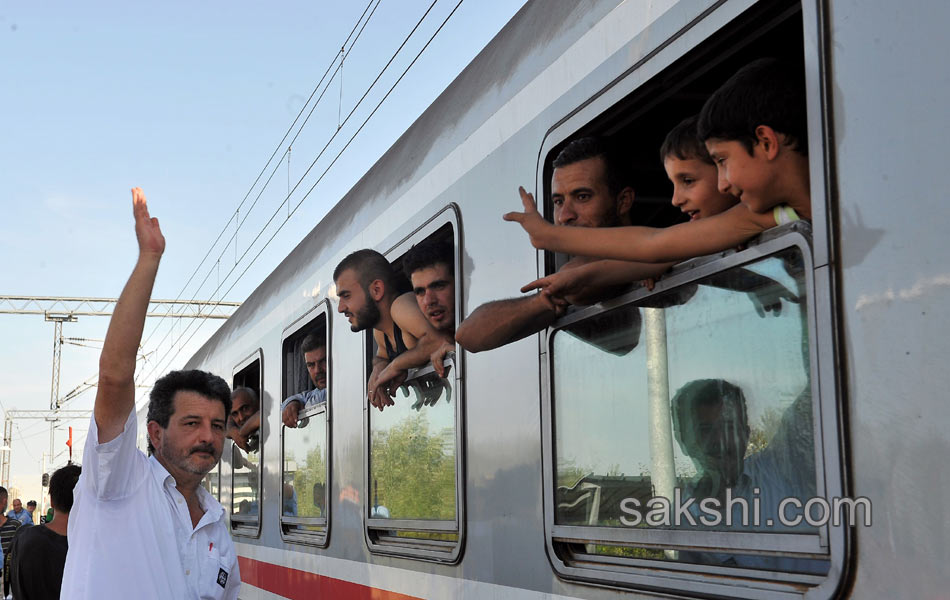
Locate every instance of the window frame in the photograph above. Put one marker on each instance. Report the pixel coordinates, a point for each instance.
(239, 526)
(827, 395)
(318, 539)
(421, 549)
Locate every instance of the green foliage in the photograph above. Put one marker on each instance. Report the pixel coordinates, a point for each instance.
(313, 472)
(414, 470)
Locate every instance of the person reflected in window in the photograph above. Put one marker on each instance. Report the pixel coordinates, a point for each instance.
(289, 507)
(244, 421)
(430, 267)
(589, 190)
(710, 423)
(368, 292)
(315, 357)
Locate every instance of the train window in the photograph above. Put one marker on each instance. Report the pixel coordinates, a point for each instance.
(414, 464)
(683, 424)
(244, 429)
(305, 457)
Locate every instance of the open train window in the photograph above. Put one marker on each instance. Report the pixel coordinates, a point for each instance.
(305, 430)
(212, 481)
(682, 429)
(244, 429)
(414, 463)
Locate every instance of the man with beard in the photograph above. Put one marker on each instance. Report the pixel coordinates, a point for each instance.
(145, 527)
(588, 189)
(315, 358)
(368, 292)
(431, 270)
(244, 422)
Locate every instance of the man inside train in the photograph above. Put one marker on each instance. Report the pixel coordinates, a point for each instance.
(369, 296)
(588, 189)
(315, 358)
(244, 422)
(430, 268)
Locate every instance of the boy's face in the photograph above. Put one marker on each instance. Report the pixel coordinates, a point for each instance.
(695, 188)
(747, 176)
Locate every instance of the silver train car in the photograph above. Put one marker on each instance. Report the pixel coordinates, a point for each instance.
(518, 476)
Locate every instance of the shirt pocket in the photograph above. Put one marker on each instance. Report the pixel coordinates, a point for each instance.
(214, 577)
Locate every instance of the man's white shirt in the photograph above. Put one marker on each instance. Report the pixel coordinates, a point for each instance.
(130, 533)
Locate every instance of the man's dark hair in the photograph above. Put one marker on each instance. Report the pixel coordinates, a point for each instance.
(312, 342)
(3, 494)
(61, 486)
(429, 253)
(764, 92)
(682, 142)
(369, 265)
(31, 503)
(161, 404)
(595, 147)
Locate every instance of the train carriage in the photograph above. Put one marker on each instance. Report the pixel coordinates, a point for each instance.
(514, 476)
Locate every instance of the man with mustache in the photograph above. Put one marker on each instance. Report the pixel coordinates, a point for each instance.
(172, 540)
(315, 358)
(245, 419)
(430, 268)
(368, 291)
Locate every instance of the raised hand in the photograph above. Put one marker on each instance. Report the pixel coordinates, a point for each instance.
(149, 234)
(531, 220)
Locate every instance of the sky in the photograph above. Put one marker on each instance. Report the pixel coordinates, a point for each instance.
(188, 101)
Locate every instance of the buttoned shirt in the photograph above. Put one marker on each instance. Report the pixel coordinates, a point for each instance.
(131, 535)
(306, 399)
(23, 516)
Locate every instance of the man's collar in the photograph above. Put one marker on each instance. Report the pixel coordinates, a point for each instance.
(165, 480)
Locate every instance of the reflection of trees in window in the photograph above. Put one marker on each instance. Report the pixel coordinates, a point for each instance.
(308, 478)
(413, 470)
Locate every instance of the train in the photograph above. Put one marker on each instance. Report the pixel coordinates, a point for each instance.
(517, 476)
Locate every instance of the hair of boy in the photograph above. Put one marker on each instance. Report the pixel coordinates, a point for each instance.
(312, 342)
(683, 142)
(369, 266)
(161, 403)
(594, 147)
(764, 92)
(429, 253)
(61, 486)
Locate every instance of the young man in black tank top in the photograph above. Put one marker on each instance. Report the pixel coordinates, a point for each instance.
(367, 288)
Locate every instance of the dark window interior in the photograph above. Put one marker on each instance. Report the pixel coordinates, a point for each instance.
(638, 124)
(250, 377)
(295, 376)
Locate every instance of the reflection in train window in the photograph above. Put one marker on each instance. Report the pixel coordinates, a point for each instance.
(413, 463)
(212, 481)
(244, 429)
(694, 396)
(304, 494)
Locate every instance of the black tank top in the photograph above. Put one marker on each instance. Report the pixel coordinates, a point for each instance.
(400, 345)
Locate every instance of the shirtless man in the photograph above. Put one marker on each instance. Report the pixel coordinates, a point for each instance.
(367, 288)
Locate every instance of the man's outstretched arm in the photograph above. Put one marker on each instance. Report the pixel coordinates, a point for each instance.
(501, 322)
(115, 397)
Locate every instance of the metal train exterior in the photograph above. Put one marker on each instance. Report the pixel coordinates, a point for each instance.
(874, 279)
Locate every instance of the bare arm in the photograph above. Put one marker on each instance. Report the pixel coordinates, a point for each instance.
(115, 397)
(644, 244)
(406, 314)
(501, 322)
(594, 281)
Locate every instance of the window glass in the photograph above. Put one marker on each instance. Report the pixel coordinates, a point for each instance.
(704, 392)
(244, 429)
(305, 448)
(212, 481)
(412, 452)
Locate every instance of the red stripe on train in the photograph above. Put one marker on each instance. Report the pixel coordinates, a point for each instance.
(304, 585)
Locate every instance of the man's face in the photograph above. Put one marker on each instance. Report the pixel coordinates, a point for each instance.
(581, 196)
(435, 292)
(193, 440)
(721, 439)
(317, 366)
(30, 506)
(355, 304)
(17, 505)
(243, 408)
(745, 176)
(695, 190)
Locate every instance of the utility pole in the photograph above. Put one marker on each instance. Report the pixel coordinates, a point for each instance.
(66, 309)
